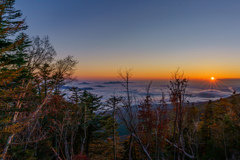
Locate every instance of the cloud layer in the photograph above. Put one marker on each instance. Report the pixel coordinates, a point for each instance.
(196, 92)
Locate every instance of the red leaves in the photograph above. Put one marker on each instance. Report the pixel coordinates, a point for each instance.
(81, 157)
(153, 122)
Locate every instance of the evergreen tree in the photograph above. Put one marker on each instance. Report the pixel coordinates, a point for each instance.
(113, 103)
(95, 124)
(13, 73)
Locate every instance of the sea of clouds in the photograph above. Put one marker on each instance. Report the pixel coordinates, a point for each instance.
(197, 91)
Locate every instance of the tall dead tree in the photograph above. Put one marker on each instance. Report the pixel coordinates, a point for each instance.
(177, 87)
(128, 114)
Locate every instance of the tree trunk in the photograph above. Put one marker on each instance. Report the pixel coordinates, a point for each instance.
(14, 120)
(6, 147)
(130, 148)
(114, 145)
(141, 145)
(84, 128)
(11, 136)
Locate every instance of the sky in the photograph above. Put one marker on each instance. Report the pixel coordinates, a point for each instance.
(152, 37)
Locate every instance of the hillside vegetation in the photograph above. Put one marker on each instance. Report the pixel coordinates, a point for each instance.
(38, 120)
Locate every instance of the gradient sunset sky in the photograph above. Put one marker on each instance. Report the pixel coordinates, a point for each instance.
(153, 37)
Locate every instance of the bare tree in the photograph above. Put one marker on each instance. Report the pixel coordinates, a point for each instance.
(40, 59)
(63, 70)
(40, 52)
(177, 87)
(128, 113)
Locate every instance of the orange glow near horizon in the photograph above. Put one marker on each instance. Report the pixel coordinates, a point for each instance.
(154, 75)
(137, 75)
(145, 67)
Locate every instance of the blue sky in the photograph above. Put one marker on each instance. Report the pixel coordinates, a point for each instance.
(152, 37)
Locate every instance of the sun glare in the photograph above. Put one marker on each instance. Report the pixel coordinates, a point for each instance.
(213, 83)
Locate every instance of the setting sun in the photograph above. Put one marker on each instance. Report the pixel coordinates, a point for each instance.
(212, 78)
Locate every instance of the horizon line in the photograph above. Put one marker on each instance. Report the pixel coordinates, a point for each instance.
(146, 79)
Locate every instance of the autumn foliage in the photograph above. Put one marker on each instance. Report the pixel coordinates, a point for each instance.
(43, 118)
